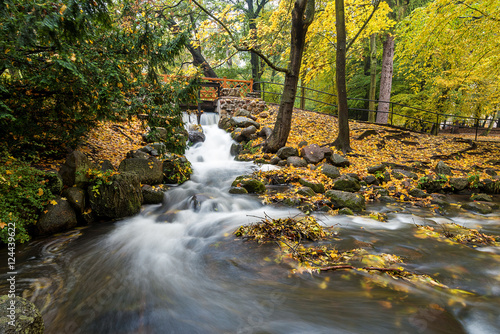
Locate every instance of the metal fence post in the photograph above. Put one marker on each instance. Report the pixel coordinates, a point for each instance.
(392, 112)
(477, 126)
(303, 98)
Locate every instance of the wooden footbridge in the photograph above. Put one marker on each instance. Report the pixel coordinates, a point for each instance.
(211, 89)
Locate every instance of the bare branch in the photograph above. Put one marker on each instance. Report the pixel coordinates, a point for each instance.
(235, 44)
(364, 25)
(480, 12)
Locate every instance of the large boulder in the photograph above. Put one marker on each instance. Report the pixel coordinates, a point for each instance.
(346, 183)
(243, 122)
(343, 199)
(195, 137)
(481, 197)
(432, 183)
(339, 161)
(489, 186)
(251, 185)
(442, 168)
(329, 170)
(76, 198)
(243, 112)
(235, 149)
(286, 152)
(377, 168)
(75, 168)
(312, 153)
(121, 198)
(306, 191)
(315, 186)
(224, 123)
(56, 217)
(248, 132)
(418, 193)
(18, 315)
(237, 135)
(459, 183)
(477, 207)
(149, 170)
(402, 173)
(296, 162)
(151, 195)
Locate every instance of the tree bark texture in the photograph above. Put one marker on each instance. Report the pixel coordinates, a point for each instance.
(372, 116)
(342, 142)
(302, 16)
(386, 80)
(199, 60)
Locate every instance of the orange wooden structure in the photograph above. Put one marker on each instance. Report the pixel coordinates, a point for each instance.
(211, 92)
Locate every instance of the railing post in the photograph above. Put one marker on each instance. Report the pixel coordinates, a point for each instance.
(303, 98)
(477, 126)
(392, 112)
(437, 125)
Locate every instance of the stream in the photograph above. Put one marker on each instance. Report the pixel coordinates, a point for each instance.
(177, 268)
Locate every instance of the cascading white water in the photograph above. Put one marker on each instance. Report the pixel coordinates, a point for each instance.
(162, 256)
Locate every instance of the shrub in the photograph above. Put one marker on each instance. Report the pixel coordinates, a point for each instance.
(24, 192)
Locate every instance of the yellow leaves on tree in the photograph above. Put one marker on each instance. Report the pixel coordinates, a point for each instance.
(450, 49)
(322, 39)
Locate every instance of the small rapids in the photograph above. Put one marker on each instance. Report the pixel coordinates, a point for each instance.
(177, 268)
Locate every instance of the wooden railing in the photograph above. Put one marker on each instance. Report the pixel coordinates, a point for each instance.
(211, 92)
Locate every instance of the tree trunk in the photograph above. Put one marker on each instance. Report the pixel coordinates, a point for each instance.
(386, 80)
(255, 61)
(342, 142)
(302, 16)
(372, 116)
(199, 60)
(490, 126)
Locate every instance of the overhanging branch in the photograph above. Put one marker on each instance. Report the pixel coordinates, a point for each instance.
(375, 7)
(235, 44)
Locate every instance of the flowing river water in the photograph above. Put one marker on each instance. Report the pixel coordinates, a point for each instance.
(177, 268)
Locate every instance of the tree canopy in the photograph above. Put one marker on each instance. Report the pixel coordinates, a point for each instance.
(65, 65)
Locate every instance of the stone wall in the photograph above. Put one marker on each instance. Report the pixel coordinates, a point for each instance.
(229, 105)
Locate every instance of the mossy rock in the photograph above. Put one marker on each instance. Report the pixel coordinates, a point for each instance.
(477, 207)
(344, 199)
(315, 186)
(251, 185)
(481, 198)
(152, 195)
(121, 198)
(238, 190)
(418, 193)
(28, 319)
(306, 191)
(346, 183)
(346, 212)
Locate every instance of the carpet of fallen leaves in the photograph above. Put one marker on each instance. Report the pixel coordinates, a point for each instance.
(113, 140)
(109, 140)
(386, 144)
(406, 148)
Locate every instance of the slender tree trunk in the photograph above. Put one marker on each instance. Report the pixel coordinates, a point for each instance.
(493, 121)
(302, 16)
(255, 62)
(199, 60)
(342, 142)
(372, 116)
(386, 80)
